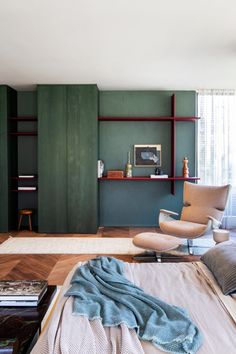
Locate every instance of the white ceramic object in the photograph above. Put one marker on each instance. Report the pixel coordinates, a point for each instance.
(100, 168)
(220, 235)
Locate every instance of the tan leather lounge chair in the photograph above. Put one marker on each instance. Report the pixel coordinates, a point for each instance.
(203, 211)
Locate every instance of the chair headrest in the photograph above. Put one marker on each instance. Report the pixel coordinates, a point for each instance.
(206, 196)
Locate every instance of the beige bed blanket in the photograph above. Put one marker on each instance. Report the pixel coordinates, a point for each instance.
(188, 285)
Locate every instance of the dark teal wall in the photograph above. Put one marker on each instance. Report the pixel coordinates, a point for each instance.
(137, 203)
(27, 150)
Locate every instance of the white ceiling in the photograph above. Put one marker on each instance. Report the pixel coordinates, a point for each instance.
(119, 44)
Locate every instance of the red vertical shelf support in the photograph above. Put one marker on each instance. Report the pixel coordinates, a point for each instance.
(173, 142)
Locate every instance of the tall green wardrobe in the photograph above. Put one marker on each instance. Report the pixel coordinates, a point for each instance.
(67, 158)
(8, 158)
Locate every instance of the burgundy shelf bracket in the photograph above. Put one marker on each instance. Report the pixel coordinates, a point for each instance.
(173, 106)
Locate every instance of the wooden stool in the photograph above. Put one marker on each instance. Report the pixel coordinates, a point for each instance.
(23, 212)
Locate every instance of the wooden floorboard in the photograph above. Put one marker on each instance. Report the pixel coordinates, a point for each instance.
(3, 237)
(7, 263)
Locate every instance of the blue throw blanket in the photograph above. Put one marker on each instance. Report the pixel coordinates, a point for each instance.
(102, 292)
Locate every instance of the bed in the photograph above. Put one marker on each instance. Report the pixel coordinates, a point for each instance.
(188, 285)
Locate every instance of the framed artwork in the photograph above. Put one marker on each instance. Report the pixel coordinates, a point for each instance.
(147, 155)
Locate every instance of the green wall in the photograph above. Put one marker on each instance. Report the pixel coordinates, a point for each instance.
(137, 203)
(129, 203)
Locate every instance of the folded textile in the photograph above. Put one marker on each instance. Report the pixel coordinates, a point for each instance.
(101, 292)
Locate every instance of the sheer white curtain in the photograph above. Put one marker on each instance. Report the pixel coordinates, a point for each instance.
(217, 143)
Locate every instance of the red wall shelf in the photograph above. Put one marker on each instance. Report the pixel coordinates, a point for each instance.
(173, 119)
(184, 119)
(146, 119)
(24, 178)
(24, 119)
(24, 133)
(23, 191)
(143, 178)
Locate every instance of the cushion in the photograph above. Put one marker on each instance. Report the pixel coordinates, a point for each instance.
(155, 241)
(221, 260)
(198, 214)
(201, 195)
(183, 229)
(201, 200)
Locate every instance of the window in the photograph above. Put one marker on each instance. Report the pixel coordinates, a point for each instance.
(217, 143)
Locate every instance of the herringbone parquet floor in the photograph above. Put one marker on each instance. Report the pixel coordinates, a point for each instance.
(55, 267)
(52, 267)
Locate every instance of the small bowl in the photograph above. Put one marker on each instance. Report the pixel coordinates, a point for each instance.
(220, 235)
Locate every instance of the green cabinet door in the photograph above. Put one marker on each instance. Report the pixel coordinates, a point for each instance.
(8, 159)
(82, 155)
(67, 158)
(52, 155)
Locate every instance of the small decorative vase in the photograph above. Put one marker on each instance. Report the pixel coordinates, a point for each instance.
(128, 169)
(158, 171)
(185, 167)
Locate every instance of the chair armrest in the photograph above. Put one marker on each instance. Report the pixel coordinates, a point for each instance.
(166, 216)
(168, 212)
(215, 223)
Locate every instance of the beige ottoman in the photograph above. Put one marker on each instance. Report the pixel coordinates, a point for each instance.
(156, 242)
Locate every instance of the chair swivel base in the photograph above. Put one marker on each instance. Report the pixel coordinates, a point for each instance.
(148, 256)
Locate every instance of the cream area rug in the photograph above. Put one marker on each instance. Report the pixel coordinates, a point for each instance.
(69, 245)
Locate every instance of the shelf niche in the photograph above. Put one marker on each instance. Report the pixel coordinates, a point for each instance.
(173, 119)
(23, 132)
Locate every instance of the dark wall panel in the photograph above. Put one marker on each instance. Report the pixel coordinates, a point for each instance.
(82, 158)
(8, 159)
(52, 155)
(4, 184)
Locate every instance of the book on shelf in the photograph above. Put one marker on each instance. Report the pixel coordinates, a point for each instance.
(22, 292)
(26, 176)
(27, 188)
(9, 345)
(20, 303)
(159, 176)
